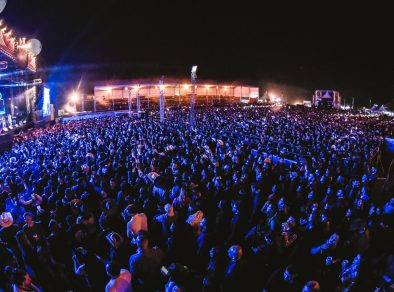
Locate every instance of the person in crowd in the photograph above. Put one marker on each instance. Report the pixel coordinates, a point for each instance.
(120, 278)
(145, 264)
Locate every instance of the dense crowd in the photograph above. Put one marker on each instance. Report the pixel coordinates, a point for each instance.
(248, 198)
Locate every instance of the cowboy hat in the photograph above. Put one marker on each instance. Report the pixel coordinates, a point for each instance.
(6, 219)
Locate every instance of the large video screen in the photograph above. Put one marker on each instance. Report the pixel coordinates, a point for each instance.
(46, 104)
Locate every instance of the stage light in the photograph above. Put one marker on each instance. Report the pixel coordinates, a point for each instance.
(207, 86)
(162, 87)
(272, 96)
(136, 88)
(194, 69)
(225, 88)
(34, 46)
(108, 89)
(126, 88)
(185, 86)
(74, 97)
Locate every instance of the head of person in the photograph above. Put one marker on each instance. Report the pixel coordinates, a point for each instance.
(311, 286)
(113, 269)
(20, 278)
(235, 253)
(290, 273)
(28, 217)
(169, 210)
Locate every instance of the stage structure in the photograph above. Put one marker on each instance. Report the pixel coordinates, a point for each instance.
(327, 98)
(125, 96)
(23, 96)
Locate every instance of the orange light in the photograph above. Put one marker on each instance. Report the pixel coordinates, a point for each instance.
(206, 86)
(186, 86)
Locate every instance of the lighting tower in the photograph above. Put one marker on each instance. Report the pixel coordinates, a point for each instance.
(137, 92)
(161, 98)
(193, 95)
(129, 99)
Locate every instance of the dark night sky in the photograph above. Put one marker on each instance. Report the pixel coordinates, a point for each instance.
(305, 46)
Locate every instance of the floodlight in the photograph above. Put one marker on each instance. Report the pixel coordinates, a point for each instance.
(34, 46)
(74, 97)
(3, 3)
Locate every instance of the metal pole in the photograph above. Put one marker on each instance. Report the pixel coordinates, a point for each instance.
(179, 95)
(129, 101)
(193, 95)
(217, 94)
(138, 100)
(148, 96)
(161, 98)
(113, 101)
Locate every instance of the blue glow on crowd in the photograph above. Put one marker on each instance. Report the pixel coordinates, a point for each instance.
(249, 199)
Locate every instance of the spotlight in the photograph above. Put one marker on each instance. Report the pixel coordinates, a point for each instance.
(74, 97)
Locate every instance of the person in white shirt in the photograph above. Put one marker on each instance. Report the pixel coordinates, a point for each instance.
(120, 278)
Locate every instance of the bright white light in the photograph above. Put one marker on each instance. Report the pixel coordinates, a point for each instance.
(46, 107)
(206, 86)
(194, 69)
(74, 97)
(136, 88)
(185, 86)
(272, 96)
(108, 89)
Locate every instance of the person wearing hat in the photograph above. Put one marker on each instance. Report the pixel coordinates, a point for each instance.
(6, 219)
(8, 232)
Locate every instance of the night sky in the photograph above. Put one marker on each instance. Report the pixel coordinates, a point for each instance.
(296, 47)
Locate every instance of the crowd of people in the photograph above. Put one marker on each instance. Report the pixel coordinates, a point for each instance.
(247, 198)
